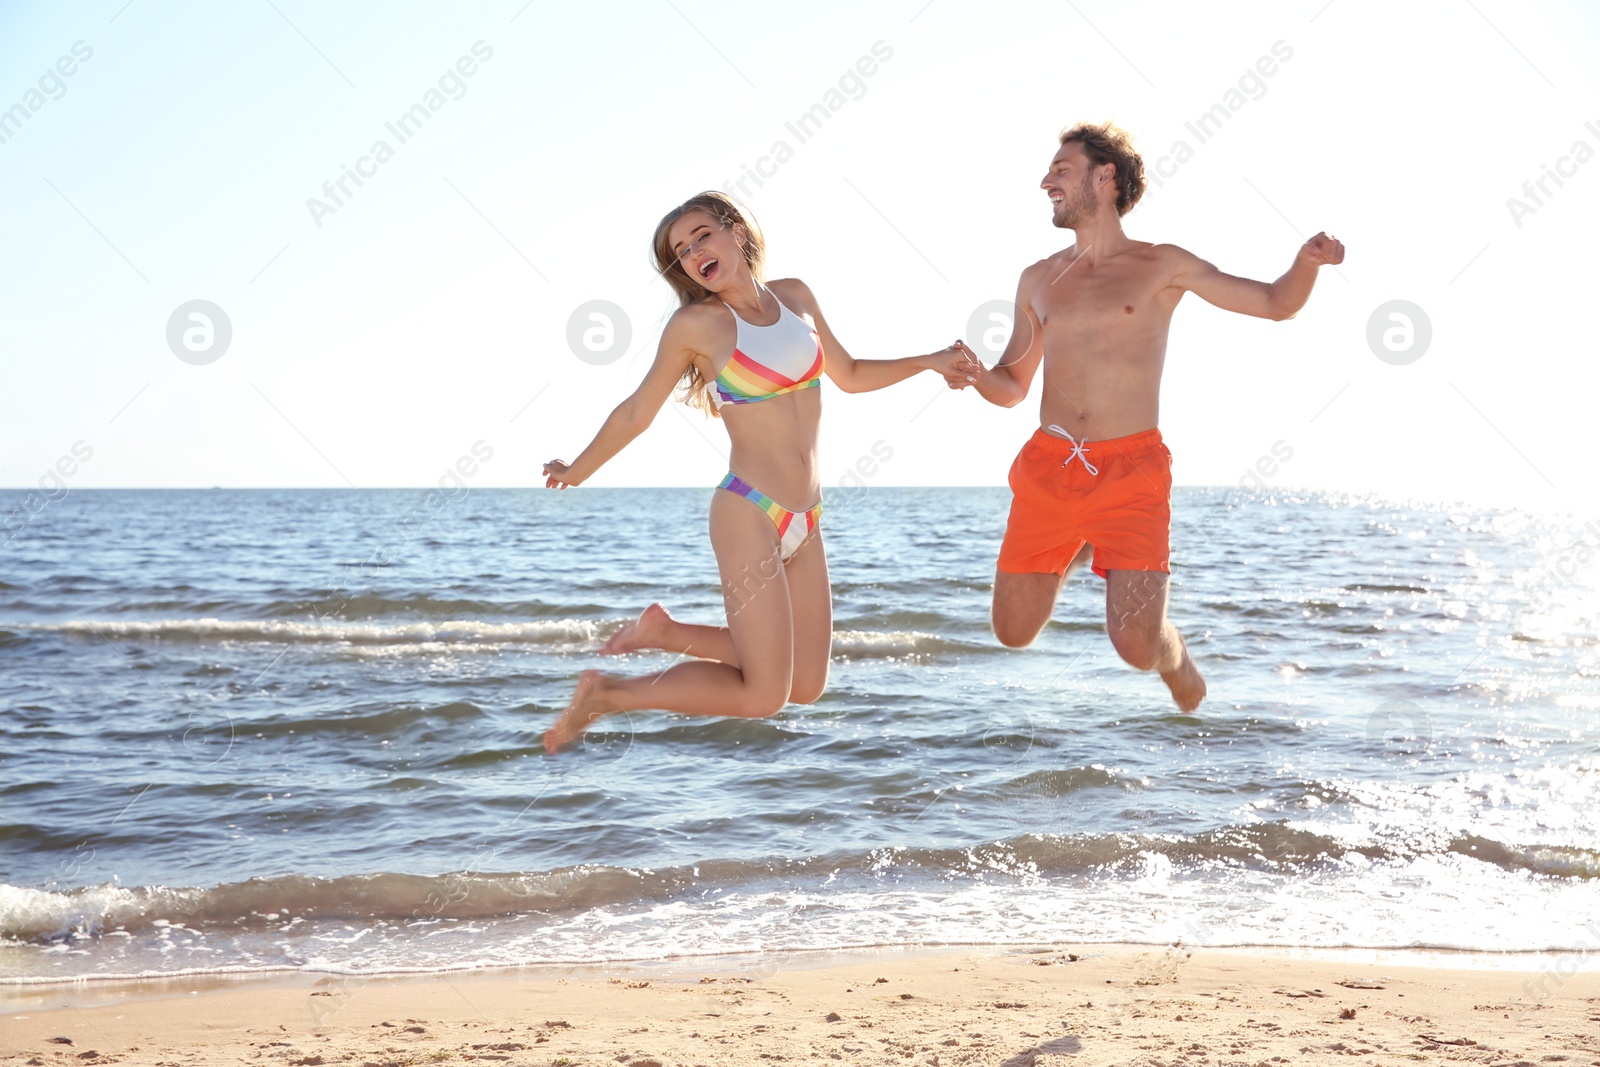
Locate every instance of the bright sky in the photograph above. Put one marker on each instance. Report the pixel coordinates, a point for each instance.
(375, 339)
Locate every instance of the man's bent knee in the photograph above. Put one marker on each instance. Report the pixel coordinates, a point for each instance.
(1022, 606)
(1014, 636)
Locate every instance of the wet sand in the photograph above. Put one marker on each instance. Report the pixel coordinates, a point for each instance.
(1078, 1005)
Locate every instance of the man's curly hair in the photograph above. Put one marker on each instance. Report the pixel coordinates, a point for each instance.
(1105, 142)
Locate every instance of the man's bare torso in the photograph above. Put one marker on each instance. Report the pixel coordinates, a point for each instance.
(1105, 322)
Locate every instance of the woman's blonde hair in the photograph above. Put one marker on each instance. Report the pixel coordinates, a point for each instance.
(695, 390)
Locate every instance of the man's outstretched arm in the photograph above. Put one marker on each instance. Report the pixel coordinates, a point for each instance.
(1007, 382)
(1275, 300)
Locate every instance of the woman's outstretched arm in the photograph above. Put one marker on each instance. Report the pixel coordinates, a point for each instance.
(680, 343)
(853, 375)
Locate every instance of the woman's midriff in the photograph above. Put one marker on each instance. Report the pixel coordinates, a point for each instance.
(774, 447)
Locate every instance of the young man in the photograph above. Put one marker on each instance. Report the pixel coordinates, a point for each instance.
(1096, 475)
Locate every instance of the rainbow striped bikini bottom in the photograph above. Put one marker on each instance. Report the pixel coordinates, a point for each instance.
(793, 526)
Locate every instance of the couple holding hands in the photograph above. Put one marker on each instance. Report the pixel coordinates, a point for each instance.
(1095, 477)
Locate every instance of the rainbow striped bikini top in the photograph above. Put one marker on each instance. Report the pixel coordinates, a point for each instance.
(769, 361)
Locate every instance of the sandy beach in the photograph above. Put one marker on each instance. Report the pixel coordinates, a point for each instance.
(1057, 1005)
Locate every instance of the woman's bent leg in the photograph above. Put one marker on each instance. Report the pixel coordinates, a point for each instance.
(761, 629)
(811, 598)
(655, 629)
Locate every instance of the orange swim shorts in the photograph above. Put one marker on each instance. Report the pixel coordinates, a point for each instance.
(1115, 495)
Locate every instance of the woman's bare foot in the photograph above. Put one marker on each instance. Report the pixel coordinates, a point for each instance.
(1188, 688)
(643, 632)
(589, 705)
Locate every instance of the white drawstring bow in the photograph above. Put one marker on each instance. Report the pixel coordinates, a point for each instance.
(1079, 451)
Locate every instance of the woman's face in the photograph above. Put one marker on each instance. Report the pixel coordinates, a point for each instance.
(708, 251)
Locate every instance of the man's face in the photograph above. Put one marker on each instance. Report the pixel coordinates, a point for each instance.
(1070, 185)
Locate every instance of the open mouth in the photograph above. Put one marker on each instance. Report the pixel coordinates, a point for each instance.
(1056, 200)
(707, 269)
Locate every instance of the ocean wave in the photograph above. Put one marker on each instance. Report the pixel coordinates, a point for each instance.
(373, 638)
(899, 644)
(456, 632)
(311, 605)
(1277, 848)
(388, 607)
(1067, 780)
(386, 721)
(45, 915)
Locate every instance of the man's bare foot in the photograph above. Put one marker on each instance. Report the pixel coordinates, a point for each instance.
(589, 705)
(643, 632)
(1188, 688)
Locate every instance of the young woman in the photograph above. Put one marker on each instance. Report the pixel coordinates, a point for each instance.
(753, 354)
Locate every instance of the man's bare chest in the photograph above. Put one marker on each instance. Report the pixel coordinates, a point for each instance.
(1110, 306)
